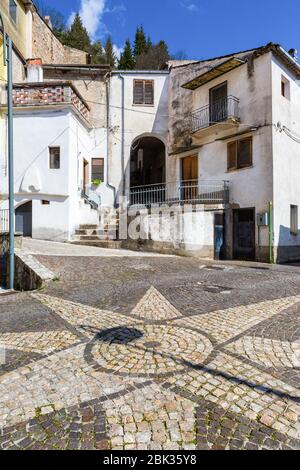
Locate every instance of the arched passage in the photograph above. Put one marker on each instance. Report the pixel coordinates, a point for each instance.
(24, 219)
(147, 162)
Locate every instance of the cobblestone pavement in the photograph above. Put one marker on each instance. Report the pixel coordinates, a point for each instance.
(152, 353)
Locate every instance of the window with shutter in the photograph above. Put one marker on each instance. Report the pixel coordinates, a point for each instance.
(97, 169)
(232, 156)
(240, 154)
(244, 153)
(143, 92)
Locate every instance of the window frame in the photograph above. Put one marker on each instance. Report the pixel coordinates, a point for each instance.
(57, 147)
(294, 219)
(237, 143)
(14, 17)
(144, 82)
(285, 88)
(102, 166)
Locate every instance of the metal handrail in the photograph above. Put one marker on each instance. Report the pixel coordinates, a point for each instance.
(180, 192)
(210, 114)
(4, 220)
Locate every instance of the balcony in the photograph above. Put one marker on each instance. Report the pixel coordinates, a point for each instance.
(54, 94)
(184, 192)
(222, 114)
(4, 220)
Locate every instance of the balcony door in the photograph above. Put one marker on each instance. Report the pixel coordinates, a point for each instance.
(218, 104)
(189, 178)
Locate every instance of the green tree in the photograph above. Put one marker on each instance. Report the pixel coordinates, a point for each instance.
(110, 56)
(140, 42)
(127, 61)
(78, 36)
(155, 59)
(97, 53)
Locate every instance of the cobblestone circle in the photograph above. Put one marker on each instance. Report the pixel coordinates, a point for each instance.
(156, 353)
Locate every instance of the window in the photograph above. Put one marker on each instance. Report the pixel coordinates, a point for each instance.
(13, 10)
(143, 92)
(45, 203)
(54, 158)
(239, 154)
(294, 220)
(98, 169)
(285, 87)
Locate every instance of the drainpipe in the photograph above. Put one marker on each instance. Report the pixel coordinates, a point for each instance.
(108, 135)
(271, 233)
(123, 136)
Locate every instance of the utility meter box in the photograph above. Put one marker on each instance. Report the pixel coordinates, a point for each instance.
(263, 219)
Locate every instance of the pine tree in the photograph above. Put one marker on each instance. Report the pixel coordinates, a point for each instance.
(97, 53)
(127, 61)
(110, 56)
(149, 44)
(140, 42)
(77, 36)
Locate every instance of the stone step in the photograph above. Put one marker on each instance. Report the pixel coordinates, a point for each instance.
(88, 227)
(95, 237)
(112, 244)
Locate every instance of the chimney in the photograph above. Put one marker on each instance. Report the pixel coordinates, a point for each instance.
(294, 53)
(35, 71)
(48, 21)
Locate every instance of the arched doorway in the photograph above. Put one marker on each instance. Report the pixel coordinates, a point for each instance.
(24, 219)
(147, 162)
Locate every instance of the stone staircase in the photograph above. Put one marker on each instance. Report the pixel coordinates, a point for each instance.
(104, 235)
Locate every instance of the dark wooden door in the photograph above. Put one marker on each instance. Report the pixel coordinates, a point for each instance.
(24, 219)
(244, 234)
(218, 103)
(189, 177)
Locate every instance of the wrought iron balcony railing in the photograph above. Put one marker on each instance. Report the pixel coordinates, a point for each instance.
(219, 111)
(4, 220)
(184, 192)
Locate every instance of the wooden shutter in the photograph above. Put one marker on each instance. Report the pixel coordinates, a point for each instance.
(98, 169)
(232, 156)
(149, 92)
(138, 92)
(245, 153)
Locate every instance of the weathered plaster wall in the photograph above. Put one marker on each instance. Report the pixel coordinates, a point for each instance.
(139, 120)
(249, 187)
(286, 163)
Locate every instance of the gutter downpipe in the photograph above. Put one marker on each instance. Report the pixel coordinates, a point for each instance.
(7, 57)
(107, 81)
(271, 234)
(123, 137)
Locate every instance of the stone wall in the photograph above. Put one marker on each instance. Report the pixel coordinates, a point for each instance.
(29, 273)
(46, 46)
(4, 249)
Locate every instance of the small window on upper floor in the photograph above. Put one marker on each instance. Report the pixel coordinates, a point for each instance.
(294, 220)
(285, 87)
(143, 92)
(239, 154)
(54, 158)
(13, 7)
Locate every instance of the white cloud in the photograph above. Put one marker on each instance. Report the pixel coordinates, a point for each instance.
(189, 6)
(118, 51)
(91, 12)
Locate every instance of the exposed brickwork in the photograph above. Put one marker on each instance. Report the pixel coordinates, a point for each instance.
(49, 95)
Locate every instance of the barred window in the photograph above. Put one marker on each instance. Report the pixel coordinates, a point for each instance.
(54, 158)
(143, 92)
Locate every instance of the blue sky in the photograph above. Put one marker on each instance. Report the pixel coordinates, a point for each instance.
(201, 28)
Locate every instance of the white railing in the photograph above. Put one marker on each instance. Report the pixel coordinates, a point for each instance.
(4, 220)
(192, 192)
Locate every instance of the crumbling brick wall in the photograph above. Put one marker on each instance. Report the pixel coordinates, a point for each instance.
(46, 46)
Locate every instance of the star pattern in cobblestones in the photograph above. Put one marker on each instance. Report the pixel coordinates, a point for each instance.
(153, 379)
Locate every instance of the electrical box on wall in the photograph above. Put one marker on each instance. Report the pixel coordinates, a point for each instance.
(263, 219)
